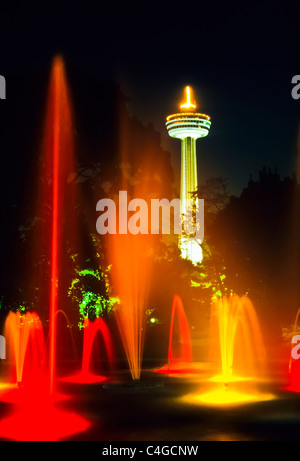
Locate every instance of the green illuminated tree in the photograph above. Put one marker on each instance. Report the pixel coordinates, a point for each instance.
(89, 293)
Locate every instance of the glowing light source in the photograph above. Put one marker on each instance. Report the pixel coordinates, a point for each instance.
(186, 114)
(188, 103)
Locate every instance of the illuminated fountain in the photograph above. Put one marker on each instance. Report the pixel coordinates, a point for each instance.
(179, 358)
(59, 158)
(130, 273)
(90, 331)
(241, 344)
(185, 355)
(36, 416)
(130, 253)
(25, 340)
(238, 354)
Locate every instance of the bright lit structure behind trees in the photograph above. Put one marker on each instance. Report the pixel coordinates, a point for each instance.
(188, 125)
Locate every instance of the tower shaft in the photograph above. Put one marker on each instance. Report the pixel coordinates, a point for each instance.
(189, 182)
(190, 247)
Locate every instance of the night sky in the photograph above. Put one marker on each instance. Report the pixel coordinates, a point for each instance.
(240, 61)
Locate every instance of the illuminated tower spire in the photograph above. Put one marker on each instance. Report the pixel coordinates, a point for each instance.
(188, 125)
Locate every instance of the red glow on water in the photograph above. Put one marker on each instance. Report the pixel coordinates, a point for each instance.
(42, 423)
(85, 378)
(34, 393)
(181, 368)
(184, 356)
(35, 415)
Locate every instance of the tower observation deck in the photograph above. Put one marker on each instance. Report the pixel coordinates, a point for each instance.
(188, 126)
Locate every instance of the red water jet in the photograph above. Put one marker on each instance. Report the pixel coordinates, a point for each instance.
(89, 335)
(179, 361)
(58, 190)
(185, 355)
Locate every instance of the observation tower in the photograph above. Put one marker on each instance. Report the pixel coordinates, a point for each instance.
(188, 126)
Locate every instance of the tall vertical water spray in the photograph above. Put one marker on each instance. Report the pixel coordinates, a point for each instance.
(130, 254)
(59, 194)
(131, 274)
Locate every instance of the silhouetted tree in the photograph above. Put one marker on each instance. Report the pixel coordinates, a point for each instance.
(254, 242)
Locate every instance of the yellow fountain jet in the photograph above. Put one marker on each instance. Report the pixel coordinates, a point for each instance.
(188, 104)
